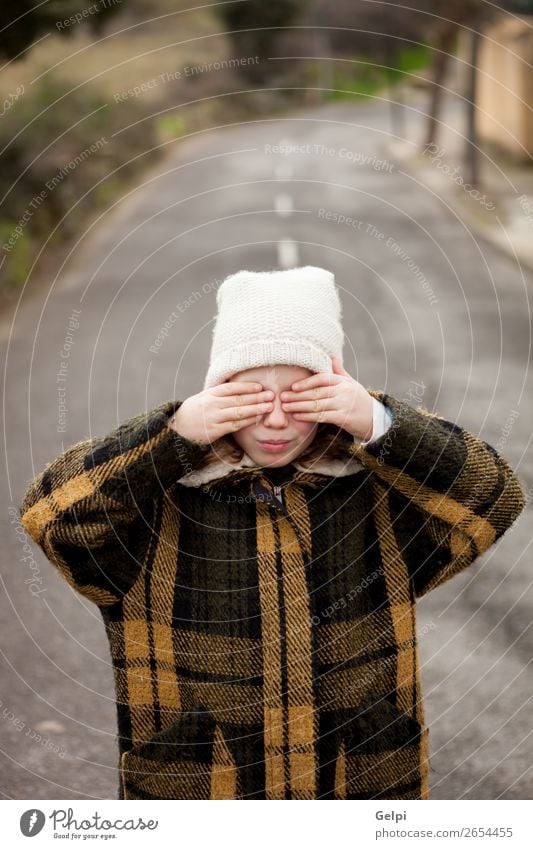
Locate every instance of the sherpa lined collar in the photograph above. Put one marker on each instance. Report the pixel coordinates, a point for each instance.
(229, 473)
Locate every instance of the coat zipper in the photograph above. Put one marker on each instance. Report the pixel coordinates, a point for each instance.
(277, 493)
(261, 484)
(280, 505)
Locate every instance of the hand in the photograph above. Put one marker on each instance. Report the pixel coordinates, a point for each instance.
(221, 409)
(335, 398)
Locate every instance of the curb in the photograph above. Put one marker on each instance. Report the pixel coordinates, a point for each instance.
(506, 234)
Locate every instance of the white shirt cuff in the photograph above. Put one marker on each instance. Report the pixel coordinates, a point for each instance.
(381, 420)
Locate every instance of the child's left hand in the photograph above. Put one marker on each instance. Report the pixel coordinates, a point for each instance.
(335, 398)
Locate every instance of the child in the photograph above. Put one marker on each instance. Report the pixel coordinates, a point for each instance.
(260, 601)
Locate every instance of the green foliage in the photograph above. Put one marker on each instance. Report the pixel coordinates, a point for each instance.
(66, 154)
(170, 126)
(368, 78)
(18, 261)
(408, 60)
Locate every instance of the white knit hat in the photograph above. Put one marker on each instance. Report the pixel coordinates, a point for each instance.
(273, 317)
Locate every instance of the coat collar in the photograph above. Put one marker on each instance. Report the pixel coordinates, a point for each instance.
(227, 473)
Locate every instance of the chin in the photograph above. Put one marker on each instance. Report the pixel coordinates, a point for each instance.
(279, 461)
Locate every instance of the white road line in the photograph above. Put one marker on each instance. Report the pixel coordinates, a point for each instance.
(283, 171)
(283, 204)
(287, 253)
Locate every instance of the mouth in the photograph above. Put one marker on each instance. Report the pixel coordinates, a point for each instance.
(274, 446)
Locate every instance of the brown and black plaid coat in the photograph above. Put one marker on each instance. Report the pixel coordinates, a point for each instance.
(265, 650)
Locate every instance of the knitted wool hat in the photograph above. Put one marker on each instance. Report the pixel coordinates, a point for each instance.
(274, 317)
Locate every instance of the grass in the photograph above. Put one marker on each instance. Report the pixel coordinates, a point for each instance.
(364, 78)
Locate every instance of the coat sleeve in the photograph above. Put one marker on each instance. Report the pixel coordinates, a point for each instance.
(381, 422)
(90, 510)
(443, 495)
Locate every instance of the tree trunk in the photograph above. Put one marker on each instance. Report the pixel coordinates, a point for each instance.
(471, 152)
(396, 100)
(444, 45)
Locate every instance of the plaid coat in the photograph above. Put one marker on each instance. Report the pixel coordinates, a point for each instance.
(265, 650)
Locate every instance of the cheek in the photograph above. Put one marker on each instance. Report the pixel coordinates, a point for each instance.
(240, 437)
(304, 428)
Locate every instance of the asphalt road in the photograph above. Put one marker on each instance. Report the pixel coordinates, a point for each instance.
(423, 301)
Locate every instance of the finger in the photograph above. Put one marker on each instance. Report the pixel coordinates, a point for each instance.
(252, 398)
(237, 386)
(320, 416)
(306, 394)
(338, 368)
(321, 378)
(237, 424)
(245, 411)
(312, 406)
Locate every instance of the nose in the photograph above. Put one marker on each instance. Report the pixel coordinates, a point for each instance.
(276, 417)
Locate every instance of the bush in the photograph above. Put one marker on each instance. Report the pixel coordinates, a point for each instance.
(57, 145)
(367, 77)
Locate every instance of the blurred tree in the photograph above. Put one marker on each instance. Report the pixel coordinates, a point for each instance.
(377, 30)
(255, 26)
(23, 21)
(371, 33)
(375, 37)
(461, 15)
(442, 35)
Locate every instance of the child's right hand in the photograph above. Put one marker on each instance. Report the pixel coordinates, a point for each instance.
(221, 409)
